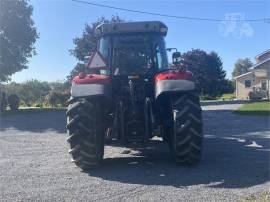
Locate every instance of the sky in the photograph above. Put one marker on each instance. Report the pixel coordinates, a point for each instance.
(60, 21)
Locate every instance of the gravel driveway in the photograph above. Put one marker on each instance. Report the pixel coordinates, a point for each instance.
(35, 166)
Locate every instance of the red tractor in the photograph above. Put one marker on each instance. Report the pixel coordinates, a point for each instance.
(132, 94)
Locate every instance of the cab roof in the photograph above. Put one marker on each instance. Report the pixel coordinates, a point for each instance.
(131, 27)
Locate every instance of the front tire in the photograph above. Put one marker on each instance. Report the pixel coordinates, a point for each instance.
(186, 135)
(85, 132)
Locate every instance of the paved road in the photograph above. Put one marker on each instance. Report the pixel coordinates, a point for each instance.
(35, 166)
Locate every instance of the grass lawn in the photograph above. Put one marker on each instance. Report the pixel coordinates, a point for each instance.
(256, 108)
(226, 96)
(28, 110)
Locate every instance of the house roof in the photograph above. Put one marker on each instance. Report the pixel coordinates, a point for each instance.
(256, 65)
(252, 68)
(260, 63)
(262, 53)
(242, 75)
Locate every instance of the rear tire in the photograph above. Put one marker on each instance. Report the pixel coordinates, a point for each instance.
(85, 132)
(186, 136)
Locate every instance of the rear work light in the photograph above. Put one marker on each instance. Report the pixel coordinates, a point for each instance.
(163, 30)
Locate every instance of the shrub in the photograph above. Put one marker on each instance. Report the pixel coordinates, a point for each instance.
(13, 102)
(58, 98)
(3, 101)
(40, 105)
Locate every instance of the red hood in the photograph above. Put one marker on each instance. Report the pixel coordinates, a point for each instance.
(92, 79)
(174, 75)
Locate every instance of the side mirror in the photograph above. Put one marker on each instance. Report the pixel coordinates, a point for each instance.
(176, 58)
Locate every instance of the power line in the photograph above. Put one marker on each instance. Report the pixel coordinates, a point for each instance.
(266, 20)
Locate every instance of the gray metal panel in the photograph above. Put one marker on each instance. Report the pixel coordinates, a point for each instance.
(83, 90)
(173, 86)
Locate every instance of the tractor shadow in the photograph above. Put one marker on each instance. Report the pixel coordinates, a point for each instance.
(236, 155)
(36, 122)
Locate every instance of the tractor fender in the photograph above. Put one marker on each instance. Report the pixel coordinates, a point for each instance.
(91, 85)
(173, 81)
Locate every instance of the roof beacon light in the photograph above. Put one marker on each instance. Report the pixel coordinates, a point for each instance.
(163, 30)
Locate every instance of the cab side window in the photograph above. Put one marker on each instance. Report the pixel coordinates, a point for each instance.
(161, 54)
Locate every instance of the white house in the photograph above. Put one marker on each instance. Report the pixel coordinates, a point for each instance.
(255, 84)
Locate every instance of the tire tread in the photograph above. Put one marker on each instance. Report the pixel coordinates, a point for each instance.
(187, 135)
(85, 148)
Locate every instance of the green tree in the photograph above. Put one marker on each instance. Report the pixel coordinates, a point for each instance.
(60, 86)
(13, 88)
(229, 86)
(34, 91)
(87, 43)
(208, 72)
(17, 37)
(58, 98)
(241, 66)
(59, 94)
(37, 92)
(30, 92)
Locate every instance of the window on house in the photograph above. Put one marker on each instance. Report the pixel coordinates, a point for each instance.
(263, 85)
(247, 83)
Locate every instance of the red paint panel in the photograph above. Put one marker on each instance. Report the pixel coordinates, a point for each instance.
(174, 75)
(92, 79)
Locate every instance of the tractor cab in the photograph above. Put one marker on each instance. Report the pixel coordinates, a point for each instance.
(132, 49)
